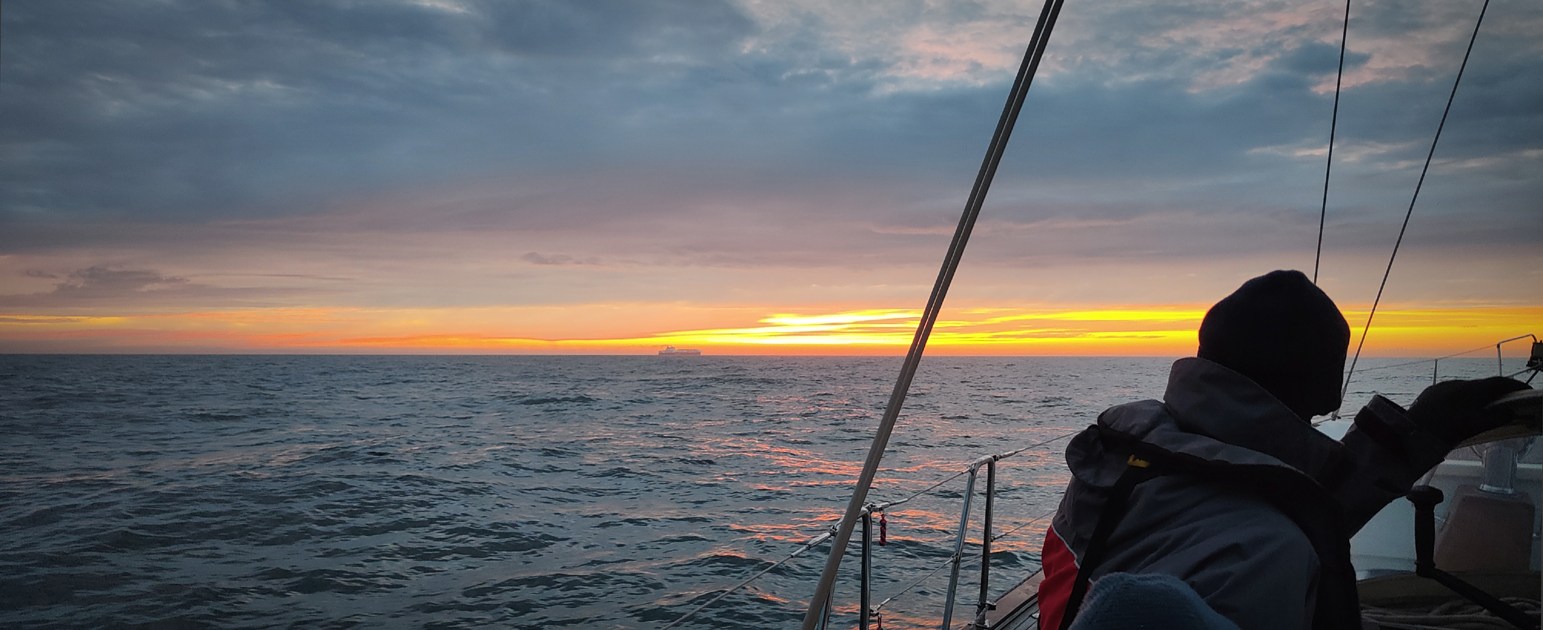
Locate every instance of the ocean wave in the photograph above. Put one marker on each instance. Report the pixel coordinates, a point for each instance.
(127, 539)
(214, 416)
(474, 543)
(695, 461)
(721, 563)
(554, 400)
(616, 471)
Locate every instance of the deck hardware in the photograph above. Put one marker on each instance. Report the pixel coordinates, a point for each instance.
(1425, 499)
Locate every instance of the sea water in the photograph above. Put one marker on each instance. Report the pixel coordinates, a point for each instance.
(525, 492)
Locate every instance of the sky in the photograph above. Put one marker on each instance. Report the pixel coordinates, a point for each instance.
(751, 176)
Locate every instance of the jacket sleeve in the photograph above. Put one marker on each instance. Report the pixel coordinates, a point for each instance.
(1267, 583)
(1248, 561)
(1386, 453)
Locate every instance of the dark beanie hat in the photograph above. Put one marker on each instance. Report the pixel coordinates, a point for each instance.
(1284, 333)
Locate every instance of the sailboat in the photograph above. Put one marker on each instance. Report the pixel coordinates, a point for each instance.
(1487, 551)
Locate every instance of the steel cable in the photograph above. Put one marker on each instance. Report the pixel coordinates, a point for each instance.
(814, 542)
(1428, 157)
(998, 146)
(1323, 211)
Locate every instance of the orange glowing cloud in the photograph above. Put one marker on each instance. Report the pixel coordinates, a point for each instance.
(628, 329)
(974, 331)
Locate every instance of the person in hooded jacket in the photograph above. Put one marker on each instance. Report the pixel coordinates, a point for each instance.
(1225, 485)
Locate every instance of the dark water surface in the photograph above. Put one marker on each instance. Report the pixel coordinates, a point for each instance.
(606, 492)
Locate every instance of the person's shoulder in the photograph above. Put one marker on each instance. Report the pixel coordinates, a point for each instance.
(1148, 406)
(1136, 418)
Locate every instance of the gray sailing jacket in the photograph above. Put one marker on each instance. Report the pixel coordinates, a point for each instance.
(1238, 550)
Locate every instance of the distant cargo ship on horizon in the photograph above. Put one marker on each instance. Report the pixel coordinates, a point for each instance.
(673, 351)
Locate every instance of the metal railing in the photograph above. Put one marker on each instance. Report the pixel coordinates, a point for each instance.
(1534, 360)
(1499, 358)
(869, 612)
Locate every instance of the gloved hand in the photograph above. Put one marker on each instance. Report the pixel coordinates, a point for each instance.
(1454, 410)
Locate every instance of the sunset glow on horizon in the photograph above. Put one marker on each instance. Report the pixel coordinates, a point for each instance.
(1124, 331)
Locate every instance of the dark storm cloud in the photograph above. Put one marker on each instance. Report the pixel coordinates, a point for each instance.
(188, 108)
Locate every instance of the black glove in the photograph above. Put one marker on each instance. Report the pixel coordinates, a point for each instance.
(1454, 410)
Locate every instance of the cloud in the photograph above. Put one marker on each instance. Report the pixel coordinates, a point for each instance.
(133, 289)
(38, 320)
(183, 108)
(611, 28)
(413, 153)
(537, 258)
(101, 282)
(201, 111)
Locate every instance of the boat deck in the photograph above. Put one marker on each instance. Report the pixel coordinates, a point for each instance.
(1017, 609)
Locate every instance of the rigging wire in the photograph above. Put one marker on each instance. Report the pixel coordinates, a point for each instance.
(1427, 361)
(1022, 525)
(1428, 156)
(917, 582)
(1323, 211)
(1021, 83)
(813, 542)
(950, 559)
(872, 508)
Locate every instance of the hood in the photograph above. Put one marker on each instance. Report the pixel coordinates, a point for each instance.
(1212, 413)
